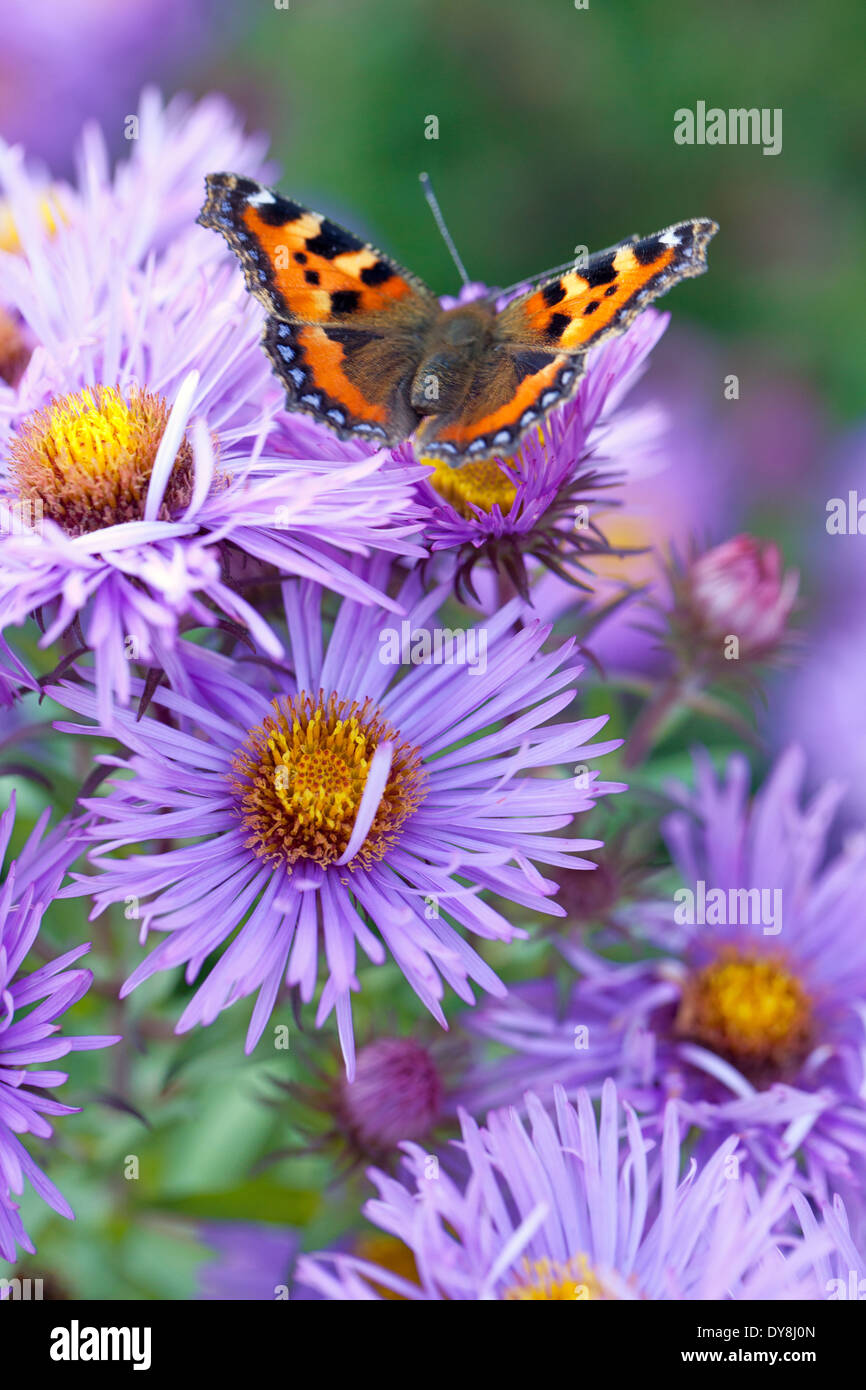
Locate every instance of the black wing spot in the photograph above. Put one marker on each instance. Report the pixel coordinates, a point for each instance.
(301, 257)
(553, 293)
(345, 301)
(599, 272)
(278, 213)
(331, 241)
(528, 363)
(611, 289)
(376, 274)
(645, 252)
(312, 277)
(557, 324)
(591, 307)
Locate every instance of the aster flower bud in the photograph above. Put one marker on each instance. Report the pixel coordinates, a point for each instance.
(729, 611)
(396, 1095)
(736, 598)
(601, 897)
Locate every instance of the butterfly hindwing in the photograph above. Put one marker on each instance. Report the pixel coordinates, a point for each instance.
(346, 322)
(354, 381)
(511, 391)
(578, 309)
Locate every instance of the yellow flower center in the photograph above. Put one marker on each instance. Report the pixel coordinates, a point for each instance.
(475, 484)
(51, 211)
(301, 776)
(88, 459)
(549, 1280)
(391, 1254)
(751, 1010)
(14, 352)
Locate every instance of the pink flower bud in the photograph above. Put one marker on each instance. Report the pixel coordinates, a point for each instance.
(739, 589)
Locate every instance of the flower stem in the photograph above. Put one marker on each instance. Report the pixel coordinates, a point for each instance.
(651, 720)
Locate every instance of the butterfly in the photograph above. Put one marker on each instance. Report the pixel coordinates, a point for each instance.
(365, 347)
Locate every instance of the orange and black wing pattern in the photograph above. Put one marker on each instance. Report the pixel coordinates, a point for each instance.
(540, 340)
(510, 391)
(345, 323)
(573, 312)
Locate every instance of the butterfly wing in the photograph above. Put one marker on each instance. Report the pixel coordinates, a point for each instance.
(573, 312)
(345, 323)
(541, 338)
(511, 389)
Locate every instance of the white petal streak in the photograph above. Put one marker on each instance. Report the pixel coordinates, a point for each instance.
(169, 445)
(377, 780)
(202, 447)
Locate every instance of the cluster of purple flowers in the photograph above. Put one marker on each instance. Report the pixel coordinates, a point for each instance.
(31, 1005)
(318, 767)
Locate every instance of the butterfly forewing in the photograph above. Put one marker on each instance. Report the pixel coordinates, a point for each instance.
(346, 323)
(572, 312)
(540, 340)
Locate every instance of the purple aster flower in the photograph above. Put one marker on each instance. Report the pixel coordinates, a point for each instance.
(840, 1271)
(751, 1010)
(352, 809)
(15, 679)
(144, 475)
(112, 220)
(31, 1007)
(249, 1261)
(397, 1092)
(542, 503)
(573, 1208)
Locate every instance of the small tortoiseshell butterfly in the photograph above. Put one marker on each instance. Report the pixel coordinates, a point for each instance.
(365, 347)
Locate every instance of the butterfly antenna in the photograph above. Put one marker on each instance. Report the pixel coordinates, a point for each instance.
(440, 223)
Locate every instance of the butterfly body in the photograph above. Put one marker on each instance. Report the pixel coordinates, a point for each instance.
(456, 340)
(365, 347)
